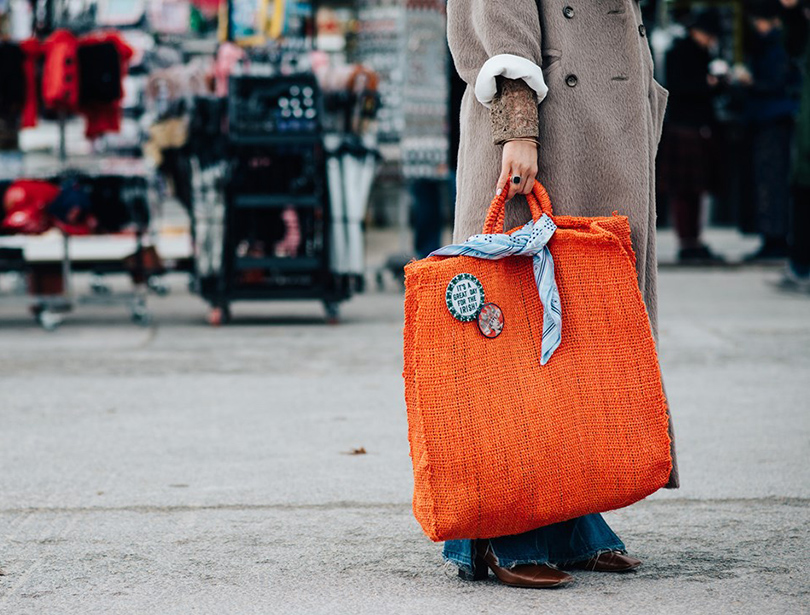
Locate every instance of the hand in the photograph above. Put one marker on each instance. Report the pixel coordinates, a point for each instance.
(790, 4)
(519, 159)
(742, 75)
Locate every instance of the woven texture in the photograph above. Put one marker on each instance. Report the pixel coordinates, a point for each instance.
(502, 445)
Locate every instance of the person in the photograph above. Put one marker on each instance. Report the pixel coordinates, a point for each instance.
(770, 107)
(427, 216)
(566, 94)
(687, 167)
(425, 138)
(797, 271)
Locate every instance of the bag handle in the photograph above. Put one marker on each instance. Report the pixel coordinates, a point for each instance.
(539, 204)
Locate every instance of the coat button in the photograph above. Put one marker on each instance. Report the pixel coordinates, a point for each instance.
(642, 30)
(571, 80)
(568, 12)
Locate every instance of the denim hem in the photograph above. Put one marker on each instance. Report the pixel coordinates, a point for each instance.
(570, 541)
(539, 562)
(460, 564)
(463, 565)
(526, 562)
(620, 548)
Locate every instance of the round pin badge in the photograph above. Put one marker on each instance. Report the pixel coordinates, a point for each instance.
(465, 297)
(491, 320)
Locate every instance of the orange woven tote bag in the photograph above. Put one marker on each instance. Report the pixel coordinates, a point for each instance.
(501, 444)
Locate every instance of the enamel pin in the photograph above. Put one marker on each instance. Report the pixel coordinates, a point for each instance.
(490, 320)
(465, 297)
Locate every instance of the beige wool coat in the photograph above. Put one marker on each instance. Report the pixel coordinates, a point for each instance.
(600, 115)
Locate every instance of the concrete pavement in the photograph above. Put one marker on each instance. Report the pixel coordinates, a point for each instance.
(185, 469)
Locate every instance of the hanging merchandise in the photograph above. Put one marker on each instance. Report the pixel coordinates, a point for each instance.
(12, 78)
(208, 218)
(405, 42)
(85, 75)
(279, 10)
(32, 50)
(247, 21)
(170, 16)
(207, 9)
(330, 27)
(99, 73)
(60, 73)
(20, 20)
(168, 90)
(425, 92)
(380, 46)
(166, 135)
(12, 94)
(120, 13)
(253, 22)
(352, 101)
(228, 56)
(104, 63)
(351, 167)
(291, 18)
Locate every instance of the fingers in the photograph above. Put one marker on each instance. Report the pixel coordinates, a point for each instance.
(519, 161)
(502, 179)
(527, 174)
(513, 187)
(526, 180)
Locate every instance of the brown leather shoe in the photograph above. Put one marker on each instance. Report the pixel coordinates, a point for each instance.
(611, 561)
(528, 575)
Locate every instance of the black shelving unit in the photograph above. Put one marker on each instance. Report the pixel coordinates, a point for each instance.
(276, 164)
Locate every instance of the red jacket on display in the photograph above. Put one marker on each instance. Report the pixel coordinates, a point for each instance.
(60, 73)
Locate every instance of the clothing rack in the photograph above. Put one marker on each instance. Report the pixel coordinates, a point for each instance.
(271, 221)
(59, 295)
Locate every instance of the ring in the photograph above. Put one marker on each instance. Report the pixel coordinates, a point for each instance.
(516, 179)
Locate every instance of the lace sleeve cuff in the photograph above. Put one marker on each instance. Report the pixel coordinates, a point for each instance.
(513, 112)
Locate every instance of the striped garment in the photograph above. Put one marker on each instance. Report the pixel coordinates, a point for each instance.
(531, 241)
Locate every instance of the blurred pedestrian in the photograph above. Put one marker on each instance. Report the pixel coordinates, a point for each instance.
(770, 108)
(797, 272)
(687, 161)
(427, 214)
(425, 135)
(593, 140)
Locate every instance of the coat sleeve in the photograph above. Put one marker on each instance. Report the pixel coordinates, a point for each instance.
(490, 39)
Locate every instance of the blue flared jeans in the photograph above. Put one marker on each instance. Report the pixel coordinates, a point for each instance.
(561, 543)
